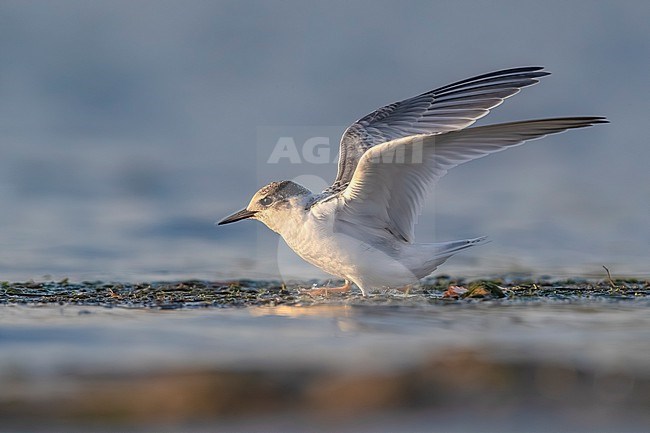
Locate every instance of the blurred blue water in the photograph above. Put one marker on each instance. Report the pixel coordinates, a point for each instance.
(513, 366)
(128, 128)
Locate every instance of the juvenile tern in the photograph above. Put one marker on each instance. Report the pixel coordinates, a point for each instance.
(361, 228)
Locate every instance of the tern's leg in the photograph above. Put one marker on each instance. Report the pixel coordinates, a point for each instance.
(406, 289)
(327, 290)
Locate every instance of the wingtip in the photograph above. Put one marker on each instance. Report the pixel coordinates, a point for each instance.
(583, 121)
(479, 240)
(596, 120)
(541, 70)
(535, 72)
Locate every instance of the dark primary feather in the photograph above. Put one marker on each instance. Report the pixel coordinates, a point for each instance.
(448, 108)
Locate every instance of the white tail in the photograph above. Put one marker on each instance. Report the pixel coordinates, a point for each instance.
(436, 254)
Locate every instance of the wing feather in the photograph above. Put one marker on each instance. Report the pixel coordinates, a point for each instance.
(391, 180)
(448, 108)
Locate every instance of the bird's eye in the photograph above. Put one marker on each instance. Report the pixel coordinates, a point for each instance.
(266, 201)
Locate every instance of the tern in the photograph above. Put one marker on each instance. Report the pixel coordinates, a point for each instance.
(361, 228)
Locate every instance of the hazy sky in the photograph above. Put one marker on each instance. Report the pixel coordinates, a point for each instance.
(129, 127)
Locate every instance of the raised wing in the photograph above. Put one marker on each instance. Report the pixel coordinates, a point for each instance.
(391, 180)
(449, 108)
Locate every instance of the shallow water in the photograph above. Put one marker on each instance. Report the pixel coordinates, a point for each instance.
(556, 359)
(53, 339)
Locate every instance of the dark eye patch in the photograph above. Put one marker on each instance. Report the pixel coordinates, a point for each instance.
(266, 201)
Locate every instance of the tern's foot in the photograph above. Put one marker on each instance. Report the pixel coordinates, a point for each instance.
(327, 290)
(405, 290)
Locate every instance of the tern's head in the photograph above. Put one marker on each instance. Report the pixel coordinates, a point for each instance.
(272, 203)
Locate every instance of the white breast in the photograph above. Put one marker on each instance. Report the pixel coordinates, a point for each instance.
(313, 237)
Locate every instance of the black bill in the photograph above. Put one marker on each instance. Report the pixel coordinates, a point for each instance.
(241, 215)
